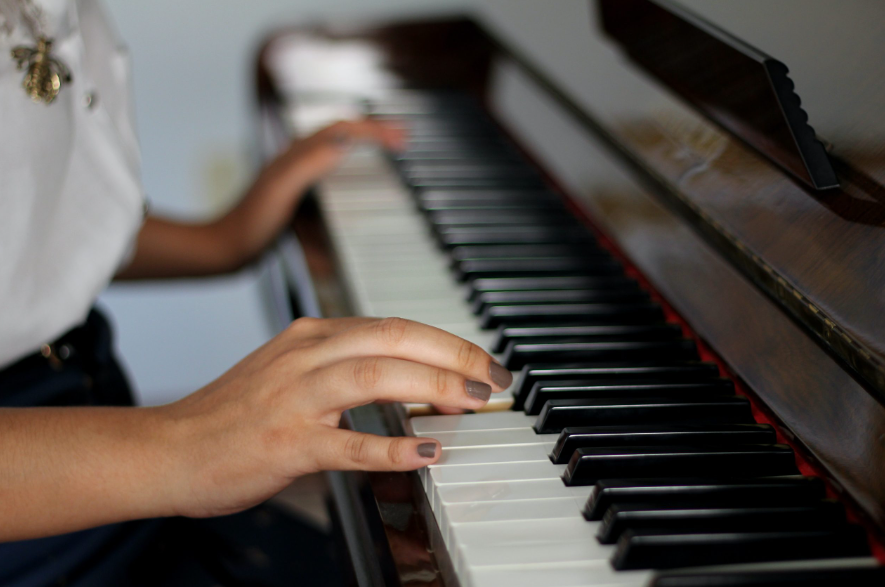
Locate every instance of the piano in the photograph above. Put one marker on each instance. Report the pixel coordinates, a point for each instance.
(680, 260)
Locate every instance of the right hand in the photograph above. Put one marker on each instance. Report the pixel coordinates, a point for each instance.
(274, 416)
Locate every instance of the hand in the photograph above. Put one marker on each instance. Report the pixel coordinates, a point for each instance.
(272, 200)
(168, 248)
(274, 416)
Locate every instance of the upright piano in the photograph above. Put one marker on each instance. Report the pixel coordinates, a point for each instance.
(681, 261)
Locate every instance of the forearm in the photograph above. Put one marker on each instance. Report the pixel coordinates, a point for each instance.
(170, 249)
(66, 469)
(176, 249)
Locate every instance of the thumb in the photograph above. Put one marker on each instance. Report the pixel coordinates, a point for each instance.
(344, 450)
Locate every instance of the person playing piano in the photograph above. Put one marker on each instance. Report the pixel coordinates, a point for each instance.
(78, 461)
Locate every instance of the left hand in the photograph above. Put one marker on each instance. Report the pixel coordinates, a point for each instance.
(272, 200)
(169, 248)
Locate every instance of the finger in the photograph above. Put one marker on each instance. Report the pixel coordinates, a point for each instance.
(359, 381)
(325, 327)
(413, 341)
(448, 411)
(344, 450)
(387, 135)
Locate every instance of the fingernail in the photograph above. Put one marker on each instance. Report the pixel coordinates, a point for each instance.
(427, 450)
(479, 390)
(501, 376)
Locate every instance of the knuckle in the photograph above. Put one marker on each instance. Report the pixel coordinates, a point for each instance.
(303, 325)
(395, 451)
(468, 355)
(392, 331)
(368, 372)
(439, 382)
(356, 448)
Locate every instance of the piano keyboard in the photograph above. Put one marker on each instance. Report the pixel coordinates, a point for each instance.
(617, 454)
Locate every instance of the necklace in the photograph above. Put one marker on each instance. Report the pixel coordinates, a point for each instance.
(45, 74)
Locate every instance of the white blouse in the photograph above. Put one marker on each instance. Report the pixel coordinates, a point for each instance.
(71, 200)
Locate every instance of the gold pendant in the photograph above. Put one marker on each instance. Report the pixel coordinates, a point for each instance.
(45, 74)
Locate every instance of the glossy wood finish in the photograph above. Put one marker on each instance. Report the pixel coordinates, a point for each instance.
(760, 261)
(739, 87)
(821, 254)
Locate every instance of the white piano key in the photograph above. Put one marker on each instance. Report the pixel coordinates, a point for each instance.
(522, 555)
(576, 530)
(482, 455)
(579, 574)
(455, 495)
(506, 491)
(507, 437)
(494, 421)
(437, 477)
(402, 283)
(456, 516)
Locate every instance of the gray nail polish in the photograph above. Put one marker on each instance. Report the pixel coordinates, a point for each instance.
(427, 450)
(479, 390)
(501, 376)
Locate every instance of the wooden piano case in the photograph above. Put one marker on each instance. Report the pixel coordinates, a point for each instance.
(780, 282)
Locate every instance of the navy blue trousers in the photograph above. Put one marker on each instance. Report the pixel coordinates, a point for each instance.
(264, 546)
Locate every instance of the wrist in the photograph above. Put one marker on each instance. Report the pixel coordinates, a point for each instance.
(170, 453)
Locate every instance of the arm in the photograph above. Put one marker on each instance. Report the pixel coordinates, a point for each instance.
(166, 248)
(242, 438)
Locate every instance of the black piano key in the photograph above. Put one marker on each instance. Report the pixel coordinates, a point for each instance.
(518, 235)
(563, 296)
(485, 173)
(532, 374)
(455, 144)
(836, 575)
(433, 126)
(589, 465)
(585, 332)
(669, 551)
(588, 265)
(475, 167)
(639, 518)
(444, 199)
(437, 130)
(697, 492)
(479, 182)
(518, 354)
(495, 218)
(494, 316)
(426, 103)
(541, 205)
(563, 413)
(495, 156)
(571, 439)
(448, 152)
(519, 251)
(546, 391)
(466, 129)
(490, 284)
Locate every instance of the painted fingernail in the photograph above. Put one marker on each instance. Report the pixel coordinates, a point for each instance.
(427, 450)
(501, 376)
(479, 390)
